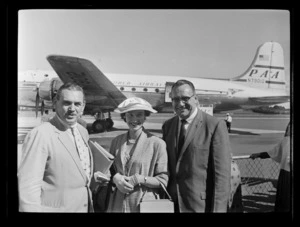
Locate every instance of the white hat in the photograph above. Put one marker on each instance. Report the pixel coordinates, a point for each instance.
(134, 103)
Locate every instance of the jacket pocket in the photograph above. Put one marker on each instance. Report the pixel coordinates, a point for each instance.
(203, 195)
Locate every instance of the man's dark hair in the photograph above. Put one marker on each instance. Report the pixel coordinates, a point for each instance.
(182, 82)
(69, 86)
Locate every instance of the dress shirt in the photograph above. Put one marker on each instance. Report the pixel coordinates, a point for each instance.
(188, 122)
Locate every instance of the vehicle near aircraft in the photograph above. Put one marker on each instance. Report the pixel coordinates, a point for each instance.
(262, 84)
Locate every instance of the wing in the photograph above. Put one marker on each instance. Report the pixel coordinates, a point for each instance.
(99, 90)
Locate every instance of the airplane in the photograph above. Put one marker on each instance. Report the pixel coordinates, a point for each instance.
(262, 84)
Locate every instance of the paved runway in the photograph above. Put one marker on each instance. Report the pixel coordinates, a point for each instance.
(251, 132)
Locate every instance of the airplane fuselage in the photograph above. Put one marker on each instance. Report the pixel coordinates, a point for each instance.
(223, 94)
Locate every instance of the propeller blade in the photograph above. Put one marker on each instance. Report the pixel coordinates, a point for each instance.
(37, 102)
(42, 107)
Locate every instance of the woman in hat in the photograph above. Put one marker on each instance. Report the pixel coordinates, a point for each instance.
(140, 159)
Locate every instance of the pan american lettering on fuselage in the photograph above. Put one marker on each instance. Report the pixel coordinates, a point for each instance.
(262, 84)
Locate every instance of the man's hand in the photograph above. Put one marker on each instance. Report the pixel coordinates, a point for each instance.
(102, 178)
(255, 155)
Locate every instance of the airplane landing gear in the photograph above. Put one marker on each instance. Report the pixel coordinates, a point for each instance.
(109, 123)
(102, 124)
(99, 126)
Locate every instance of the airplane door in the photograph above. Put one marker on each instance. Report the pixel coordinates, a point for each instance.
(207, 108)
(168, 92)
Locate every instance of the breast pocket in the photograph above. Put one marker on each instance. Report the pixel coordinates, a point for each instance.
(202, 195)
(200, 156)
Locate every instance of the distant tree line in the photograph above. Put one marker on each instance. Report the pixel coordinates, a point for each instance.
(271, 110)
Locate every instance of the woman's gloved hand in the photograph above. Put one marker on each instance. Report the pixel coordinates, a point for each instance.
(136, 179)
(122, 183)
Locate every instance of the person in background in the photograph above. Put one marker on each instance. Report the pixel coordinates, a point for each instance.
(281, 154)
(141, 160)
(56, 166)
(199, 155)
(228, 120)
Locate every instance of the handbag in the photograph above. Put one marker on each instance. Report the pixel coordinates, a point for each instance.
(164, 205)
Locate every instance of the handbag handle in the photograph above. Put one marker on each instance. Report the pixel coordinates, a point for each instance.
(163, 186)
(165, 190)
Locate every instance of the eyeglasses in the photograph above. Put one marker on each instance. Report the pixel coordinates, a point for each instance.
(183, 99)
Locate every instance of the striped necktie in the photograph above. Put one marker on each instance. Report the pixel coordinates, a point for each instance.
(83, 151)
(181, 136)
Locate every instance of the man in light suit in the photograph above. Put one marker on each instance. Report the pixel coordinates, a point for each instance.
(51, 176)
(199, 172)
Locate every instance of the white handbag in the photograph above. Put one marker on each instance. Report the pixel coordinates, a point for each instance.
(158, 205)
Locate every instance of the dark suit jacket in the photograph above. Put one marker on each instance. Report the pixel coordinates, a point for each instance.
(200, 179)
(50, 175)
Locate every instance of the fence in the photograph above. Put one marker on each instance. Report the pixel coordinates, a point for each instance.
(259, 181)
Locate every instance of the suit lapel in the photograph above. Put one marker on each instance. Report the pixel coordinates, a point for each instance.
(171, 140)
(196, 123)
(68, 144)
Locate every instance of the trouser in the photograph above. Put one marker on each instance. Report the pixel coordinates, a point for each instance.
(228, 126)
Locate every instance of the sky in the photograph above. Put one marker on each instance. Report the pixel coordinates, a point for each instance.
(192, 43)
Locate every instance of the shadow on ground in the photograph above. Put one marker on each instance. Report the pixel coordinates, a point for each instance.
(259, 194)
(242, 133)
(258, 203)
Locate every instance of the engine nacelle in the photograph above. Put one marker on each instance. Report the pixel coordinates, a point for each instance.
(48, 88)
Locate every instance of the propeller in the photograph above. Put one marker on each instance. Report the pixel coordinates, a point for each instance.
(42, 107)
(37, 102)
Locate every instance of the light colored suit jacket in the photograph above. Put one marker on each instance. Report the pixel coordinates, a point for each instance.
(50, 175)
(200, 179)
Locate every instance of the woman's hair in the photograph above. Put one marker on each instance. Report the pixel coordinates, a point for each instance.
(147, 114)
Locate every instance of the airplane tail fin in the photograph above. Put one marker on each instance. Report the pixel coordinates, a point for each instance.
(267, 68)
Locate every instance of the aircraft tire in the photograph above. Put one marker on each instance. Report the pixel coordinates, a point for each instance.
(99, 126)
(109, 123)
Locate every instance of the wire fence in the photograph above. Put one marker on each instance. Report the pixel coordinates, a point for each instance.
(259, 180)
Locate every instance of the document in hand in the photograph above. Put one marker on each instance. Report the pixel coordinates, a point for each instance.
(102, 158)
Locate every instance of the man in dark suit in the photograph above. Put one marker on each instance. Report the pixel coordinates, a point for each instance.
(199, 170)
